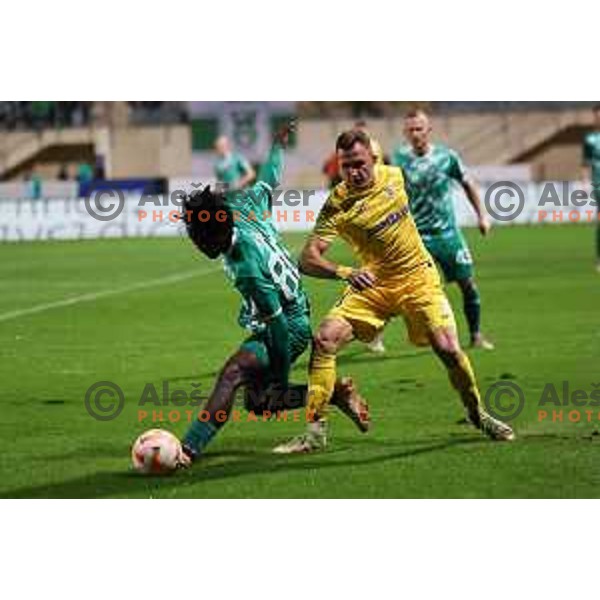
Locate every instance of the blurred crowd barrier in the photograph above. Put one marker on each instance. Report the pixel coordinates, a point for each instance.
(32, 115)
(70, 218)
(38, 189)
(24, 115)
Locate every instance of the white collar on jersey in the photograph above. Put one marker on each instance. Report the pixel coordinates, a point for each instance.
(426, 155)
(233, 241)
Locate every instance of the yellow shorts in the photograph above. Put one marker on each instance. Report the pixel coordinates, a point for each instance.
(418, 297)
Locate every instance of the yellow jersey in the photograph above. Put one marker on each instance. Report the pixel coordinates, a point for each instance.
(376, 223)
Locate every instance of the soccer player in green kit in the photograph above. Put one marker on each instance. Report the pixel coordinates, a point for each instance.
(237, 227)
(591, 160)
(431, 172)
(232, 170)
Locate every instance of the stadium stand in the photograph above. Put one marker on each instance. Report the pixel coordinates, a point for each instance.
(154, 139)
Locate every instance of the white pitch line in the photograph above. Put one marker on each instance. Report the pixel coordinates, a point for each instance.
(15, 314)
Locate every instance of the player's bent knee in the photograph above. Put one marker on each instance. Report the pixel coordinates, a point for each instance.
(331, 336)
(232, 374)
(323, 344)
(445, 343)
(238, 370)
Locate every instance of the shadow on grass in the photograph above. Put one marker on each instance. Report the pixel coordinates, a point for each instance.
(354, 357)
(222, 466)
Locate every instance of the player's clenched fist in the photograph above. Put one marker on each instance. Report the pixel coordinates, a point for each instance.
(361, 279)
(283, 134)
(484, 226)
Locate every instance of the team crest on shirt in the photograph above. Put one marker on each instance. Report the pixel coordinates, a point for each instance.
(360, 209)
(390, 192)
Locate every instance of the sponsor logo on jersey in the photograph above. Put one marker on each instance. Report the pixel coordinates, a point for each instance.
(390, 220)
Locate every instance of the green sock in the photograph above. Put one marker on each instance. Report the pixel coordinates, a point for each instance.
(472, 308)
(199, 435)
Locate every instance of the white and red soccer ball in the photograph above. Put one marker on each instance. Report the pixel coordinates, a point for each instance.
(156, 452)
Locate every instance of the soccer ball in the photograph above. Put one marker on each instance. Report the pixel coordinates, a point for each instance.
(156, 452)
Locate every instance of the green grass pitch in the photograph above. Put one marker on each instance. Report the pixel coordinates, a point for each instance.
(540, 305)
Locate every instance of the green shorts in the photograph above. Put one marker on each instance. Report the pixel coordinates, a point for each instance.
(452, 254)
(300, 336)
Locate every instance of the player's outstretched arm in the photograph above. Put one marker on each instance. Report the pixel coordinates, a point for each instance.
(586, 166)
(472, 192)
(312, 260)
(459, 173)
(314, 264)
(271, 171)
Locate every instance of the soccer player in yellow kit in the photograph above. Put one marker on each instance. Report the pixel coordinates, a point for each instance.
(397, 277)
(376, 345)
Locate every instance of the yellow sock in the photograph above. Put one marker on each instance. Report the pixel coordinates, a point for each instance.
(463, 379)
(321, 383)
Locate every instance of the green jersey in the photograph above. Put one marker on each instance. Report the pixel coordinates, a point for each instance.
(591, 155)
(431, 183)
(230, 169)
(258, 263)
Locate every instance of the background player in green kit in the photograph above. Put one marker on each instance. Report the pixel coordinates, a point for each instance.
(232, 170)
(431, 173)
(275, 309)
(591, 160)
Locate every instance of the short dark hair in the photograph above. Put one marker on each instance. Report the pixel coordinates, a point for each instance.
(348, 139)
(416, 112)
(204, 213)
(596, 108)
